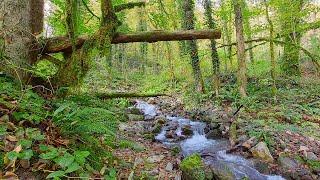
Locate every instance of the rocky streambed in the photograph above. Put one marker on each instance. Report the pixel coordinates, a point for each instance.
(195, 137)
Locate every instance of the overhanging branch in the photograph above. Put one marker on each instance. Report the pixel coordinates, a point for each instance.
(63, 44)
(130, 5)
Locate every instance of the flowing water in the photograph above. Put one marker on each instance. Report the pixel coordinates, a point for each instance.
(213, 151)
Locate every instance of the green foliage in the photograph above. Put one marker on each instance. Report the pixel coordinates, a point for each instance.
(193, 167)
(30, 106)
(45, 69)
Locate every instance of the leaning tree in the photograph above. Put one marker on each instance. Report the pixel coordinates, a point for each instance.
(21, 23)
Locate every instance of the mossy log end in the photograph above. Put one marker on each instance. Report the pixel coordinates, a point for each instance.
(126, 95)
(63, 44)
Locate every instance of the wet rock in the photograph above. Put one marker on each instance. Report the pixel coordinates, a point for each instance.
(169, 167)
(157, 128)
(134, 110)
(261, 151)
(192, 168)
(135, 117)
(262, 166)
(187, 130)
(213, 134)
(221, 171)
(155, 158)
(160, 119)
(170, 134)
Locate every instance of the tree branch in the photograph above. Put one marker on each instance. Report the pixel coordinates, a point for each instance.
(89, 10)
(63, 44)
(130, 5)
(313, 57)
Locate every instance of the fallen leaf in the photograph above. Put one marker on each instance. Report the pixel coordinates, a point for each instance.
(18, 149)
(10, 176)
(12, 138)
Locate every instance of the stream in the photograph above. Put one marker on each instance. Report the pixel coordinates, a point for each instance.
(213, 151)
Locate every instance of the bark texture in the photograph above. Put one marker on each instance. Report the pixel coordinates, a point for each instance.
(189, 23)
(17, 32)
(213, 44)
(242, 69)
(63, 44)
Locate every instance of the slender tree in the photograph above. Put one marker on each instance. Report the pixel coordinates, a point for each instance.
(189, 23)
(248, 31)
(242, 70)
(227, 28)
(271, 46)
(214, 53)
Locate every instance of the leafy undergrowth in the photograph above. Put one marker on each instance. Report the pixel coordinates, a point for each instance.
(71, 137)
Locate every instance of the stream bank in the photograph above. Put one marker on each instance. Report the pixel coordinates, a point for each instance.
(210, 140)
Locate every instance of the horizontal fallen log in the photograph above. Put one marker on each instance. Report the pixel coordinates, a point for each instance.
(63, 44)
(127, 95)
(129, 5)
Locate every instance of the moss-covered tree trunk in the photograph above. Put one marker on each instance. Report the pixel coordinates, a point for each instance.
(214, 53)
(17, 33)
(189, 23)
(291, 19)
(242, 69)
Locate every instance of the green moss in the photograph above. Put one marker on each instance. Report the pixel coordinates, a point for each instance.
(193, 168)
(314, 165)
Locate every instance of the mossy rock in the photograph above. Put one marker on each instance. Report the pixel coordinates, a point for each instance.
(135, 117)
(192, 168)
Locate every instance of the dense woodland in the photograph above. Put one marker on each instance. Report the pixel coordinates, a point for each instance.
(73, 75)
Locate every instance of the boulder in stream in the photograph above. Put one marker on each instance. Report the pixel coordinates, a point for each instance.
(192, 168)
(261, 151)
(187, 130)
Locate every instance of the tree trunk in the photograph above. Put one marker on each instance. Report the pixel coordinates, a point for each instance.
(271, 46)
(17, 32)
(214, 53)
(290, 22)
(242, 70)
(189, 23)
(226, 19)
(248, 31)
(142, 26)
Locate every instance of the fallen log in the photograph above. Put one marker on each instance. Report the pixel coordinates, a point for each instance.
(63, 44)
(126, 95)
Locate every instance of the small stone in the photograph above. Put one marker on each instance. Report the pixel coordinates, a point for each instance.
(262, 152)
(151, 101)
(155, 158)
(250, 142)
(170, 134)
(137, 161)
(242, 138)
(311, 156)
(287, 162)
(169, 167)
(213, 134)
